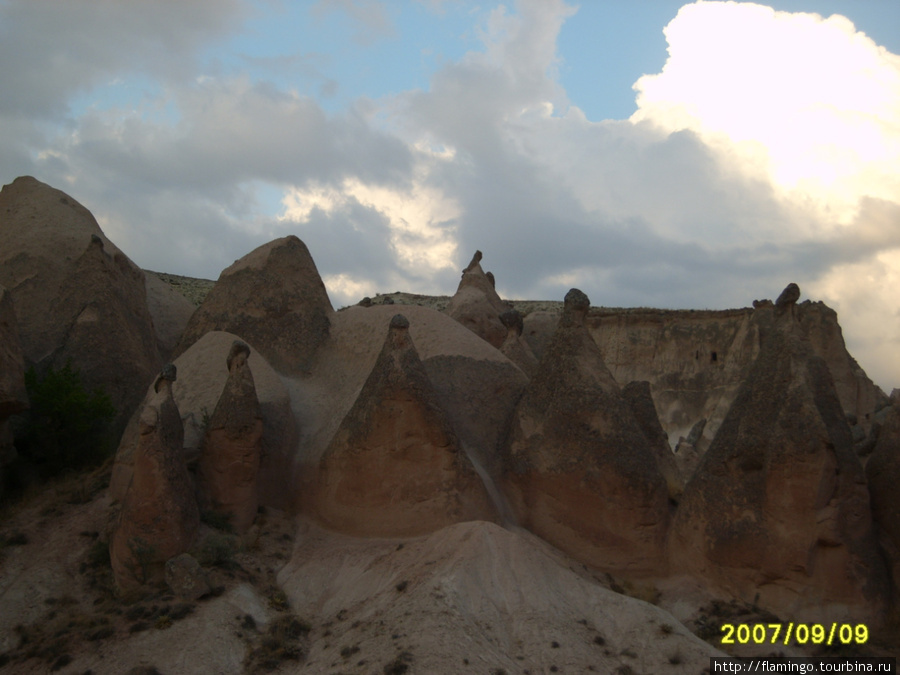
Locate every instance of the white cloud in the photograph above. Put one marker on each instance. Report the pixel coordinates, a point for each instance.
(809, 101)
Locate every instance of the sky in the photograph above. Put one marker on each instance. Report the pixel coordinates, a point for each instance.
(655, 153)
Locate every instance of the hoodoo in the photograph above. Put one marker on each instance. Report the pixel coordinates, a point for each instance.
(229, 462)
(273, 297)
(476, 304)
(395, 466)
(777, 513)
(579, 470)
(159, 517)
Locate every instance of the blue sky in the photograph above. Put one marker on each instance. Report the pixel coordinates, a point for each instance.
(652, 153)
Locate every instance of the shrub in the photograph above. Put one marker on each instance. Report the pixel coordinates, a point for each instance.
(66, 427)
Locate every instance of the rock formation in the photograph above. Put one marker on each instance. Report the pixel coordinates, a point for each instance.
(170, 310)
(777, 513)
(197, 391)
(476, 304)
(883, 472)
(637, 395)
(696, 360)
(580, 472)
(475, 385)
(395, 466)
(76, 295)
(159, 517)
(229, 461)
(13, 397)
(514, 347)
(272, 297)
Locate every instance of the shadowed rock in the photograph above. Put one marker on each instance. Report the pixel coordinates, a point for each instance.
(13, 397)
(77, 297)
(230, 459)
(777, 512)
(197, 393)
(580, 472)
(274, 298)
(637, 394)
(883, 472)
(476, 304)
(514, 346)
(395, 466)
(159, 517)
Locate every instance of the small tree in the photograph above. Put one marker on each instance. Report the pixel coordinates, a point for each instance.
(66, 427)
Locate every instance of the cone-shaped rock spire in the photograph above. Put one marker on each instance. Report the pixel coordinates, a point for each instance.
(159, 517)
(229, 462)
(580, 472)
(395, 466)
(777, 512)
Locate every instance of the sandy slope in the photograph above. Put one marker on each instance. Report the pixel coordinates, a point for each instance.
(474, 598)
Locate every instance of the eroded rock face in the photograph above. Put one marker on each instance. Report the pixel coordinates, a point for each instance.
(229, 462)
(13, 397)
(637, 395)
(273, 297)
(76, 295)
(476, 386)
(202, 379)
(514, 347)
(170, 310)
(477, 306)
(159, 517)
(696, 360)
(580, 472)
(395, 466)
(777, 512)
(883, 472)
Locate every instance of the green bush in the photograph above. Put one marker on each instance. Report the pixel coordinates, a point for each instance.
(66, 427)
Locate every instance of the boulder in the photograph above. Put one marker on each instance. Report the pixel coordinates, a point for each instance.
(77, 297)
(514, 347)
(883, 473)
(476, 304)
(186, 578)
(159, 518)
(580, 472)
(395, 466)
(777, 514)
(274, 298)
(229, 461)
(202, 379)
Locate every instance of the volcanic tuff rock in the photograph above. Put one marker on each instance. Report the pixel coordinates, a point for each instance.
(273, 297)
(475, 385)
(159, 517)
(777, 513)
(229, 460)
(202, 377)
(695, 360)
(476, 599)
(13, 397)
(514, 347)
(476, 304)
(395, 467)
(170, 310)
(580, 472)
(637, 395)
(883, 472)
(76, 295)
